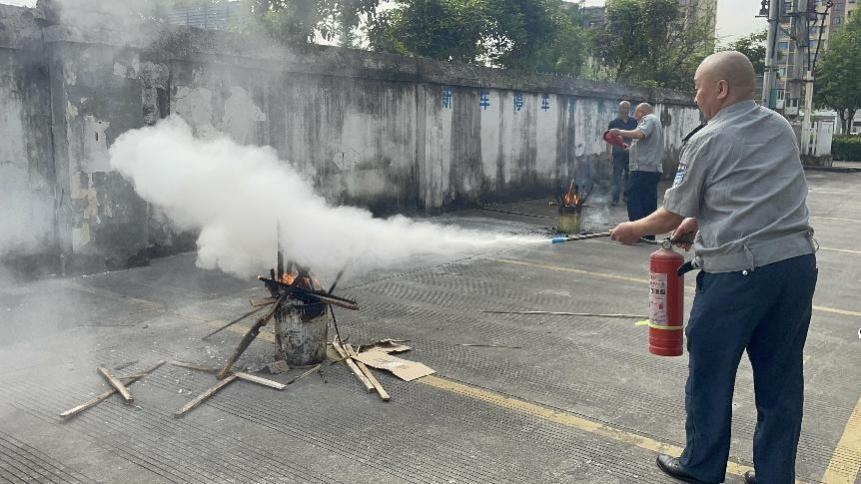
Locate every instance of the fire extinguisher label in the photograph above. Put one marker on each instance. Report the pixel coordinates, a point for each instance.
(658, 298)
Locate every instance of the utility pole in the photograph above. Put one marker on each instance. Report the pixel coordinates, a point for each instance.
(771, 9)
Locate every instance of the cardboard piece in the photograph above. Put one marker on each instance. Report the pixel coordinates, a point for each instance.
(388, 345)
(404, 369)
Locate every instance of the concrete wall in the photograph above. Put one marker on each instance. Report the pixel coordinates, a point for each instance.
(382, 131)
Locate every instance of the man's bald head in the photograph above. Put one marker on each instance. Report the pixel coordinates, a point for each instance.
(723, 79)
(642, 110)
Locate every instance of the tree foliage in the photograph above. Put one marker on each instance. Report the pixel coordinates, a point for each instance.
(653, 42)
(519, 34)
(297, 21)
(838, 73)
(753, 46)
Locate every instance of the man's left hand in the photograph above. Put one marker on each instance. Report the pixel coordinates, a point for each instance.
(626, 233)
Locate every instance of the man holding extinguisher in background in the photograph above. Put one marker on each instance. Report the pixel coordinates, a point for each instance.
(740, 188)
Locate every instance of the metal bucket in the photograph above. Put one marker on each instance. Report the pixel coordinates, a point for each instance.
(569, 221)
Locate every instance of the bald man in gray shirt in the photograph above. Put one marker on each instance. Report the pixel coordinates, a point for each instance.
(645, 166)
(740, 188)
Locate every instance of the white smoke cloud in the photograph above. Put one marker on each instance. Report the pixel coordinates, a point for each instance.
(235, 195)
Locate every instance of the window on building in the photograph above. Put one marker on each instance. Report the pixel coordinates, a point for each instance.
(787, 7)
(813, 44)
(781, 73)
(780, 93)
(783, 45)
(835, 21)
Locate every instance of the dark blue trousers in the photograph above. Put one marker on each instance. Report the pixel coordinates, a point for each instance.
(767, 313)
(642, 194)
(620, 176)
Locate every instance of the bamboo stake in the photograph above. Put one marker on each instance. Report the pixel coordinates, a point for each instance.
(350, 363)
(260, 380)
(368, 374)
(306, 373)
(118, 385)
(206, 395)
(104, 396)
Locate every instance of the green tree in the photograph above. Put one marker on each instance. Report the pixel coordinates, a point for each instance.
(439, 29)
(518, 34)
(300, 21)
(653, 42)
(838, 73)
(753, 46)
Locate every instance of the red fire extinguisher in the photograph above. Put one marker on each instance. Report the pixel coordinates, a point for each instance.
(666, 301)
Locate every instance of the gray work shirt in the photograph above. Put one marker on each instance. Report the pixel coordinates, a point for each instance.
(647, 153)
(741, 177)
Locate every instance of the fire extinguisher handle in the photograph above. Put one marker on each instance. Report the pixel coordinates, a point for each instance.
(687, 267)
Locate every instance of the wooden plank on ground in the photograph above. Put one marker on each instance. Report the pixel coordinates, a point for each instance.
(352, 365)
(206, 395)
(260, 381)
(104, 396)
(117, 384)
(194, 366)
(370, 376)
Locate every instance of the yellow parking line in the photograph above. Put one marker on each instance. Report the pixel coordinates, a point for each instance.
(846, 461)
(845, 251)
(521, 406)
(837, 219)
(604, 275)
(562, 417)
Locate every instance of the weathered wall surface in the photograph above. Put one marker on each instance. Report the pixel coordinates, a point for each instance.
(382, 131)
(27, 178)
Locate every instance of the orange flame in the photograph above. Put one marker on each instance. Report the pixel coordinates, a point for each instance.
(571, 199)
(288, 278)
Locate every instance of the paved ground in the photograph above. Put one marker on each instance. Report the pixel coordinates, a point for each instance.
(581, 400)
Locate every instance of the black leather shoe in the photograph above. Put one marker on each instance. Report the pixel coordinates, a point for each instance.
(749, 477)
(671, 466)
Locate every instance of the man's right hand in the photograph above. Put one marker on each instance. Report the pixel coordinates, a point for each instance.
(684, 234)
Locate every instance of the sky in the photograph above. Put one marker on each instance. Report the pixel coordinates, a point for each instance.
(735, 18)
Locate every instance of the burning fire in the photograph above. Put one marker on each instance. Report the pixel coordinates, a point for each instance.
(287, 278)
(571, 198)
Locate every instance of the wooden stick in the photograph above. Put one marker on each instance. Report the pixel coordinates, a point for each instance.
(104, 396)
(350, 363)
(240, 318)
(206, 395)
(194, 366)
(240, 374)
(247, 340)
(306, 373)
(260, 380)
(118, 385)
(370, 376)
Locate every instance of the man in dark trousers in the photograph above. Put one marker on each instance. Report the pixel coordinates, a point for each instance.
(646, 163)
(620, 155)
(740, 188)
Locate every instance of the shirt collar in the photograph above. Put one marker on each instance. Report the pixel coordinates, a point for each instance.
(735, 108)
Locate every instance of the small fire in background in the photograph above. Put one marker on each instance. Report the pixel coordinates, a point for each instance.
(570, 205)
